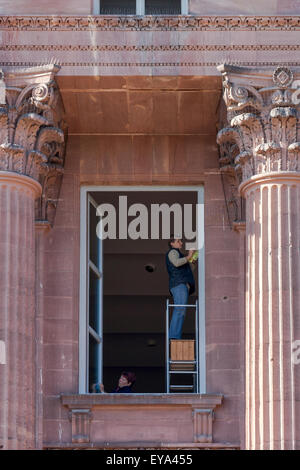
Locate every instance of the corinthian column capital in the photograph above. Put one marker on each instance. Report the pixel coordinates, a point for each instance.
(262, 133)
(33, 131)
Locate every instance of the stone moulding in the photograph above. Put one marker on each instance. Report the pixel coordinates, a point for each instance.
(148, 48)
(150, 23)
(33, 131)
(24, 182)
(282, 178)
(149, 64)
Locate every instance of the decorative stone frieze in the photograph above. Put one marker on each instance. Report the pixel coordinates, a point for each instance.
(33, 132)
(150, 23)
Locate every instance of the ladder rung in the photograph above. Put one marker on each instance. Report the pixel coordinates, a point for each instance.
(182, 372)
(182, 305)
(184, 387)
(182, 362)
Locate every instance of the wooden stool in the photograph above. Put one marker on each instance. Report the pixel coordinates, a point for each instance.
(182, 350)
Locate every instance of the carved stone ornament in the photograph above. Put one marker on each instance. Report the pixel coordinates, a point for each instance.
(261, 134)
(33, 131)
(80, 421)
(150, 23)
(283, 77)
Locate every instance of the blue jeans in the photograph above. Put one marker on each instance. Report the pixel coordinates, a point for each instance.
(180, 295)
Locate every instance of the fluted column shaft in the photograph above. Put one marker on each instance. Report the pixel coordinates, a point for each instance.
(272, 302)
(17, 310)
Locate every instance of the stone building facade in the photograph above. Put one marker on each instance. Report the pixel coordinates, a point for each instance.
(203, 99)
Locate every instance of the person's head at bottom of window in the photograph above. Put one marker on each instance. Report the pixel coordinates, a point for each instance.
(126, 382)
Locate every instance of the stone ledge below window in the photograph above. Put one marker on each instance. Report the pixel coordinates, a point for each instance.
(142, 420)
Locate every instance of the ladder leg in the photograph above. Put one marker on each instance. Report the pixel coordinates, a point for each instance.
(167, 350)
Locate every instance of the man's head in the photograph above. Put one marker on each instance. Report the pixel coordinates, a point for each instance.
(175, 242)
(127, 379)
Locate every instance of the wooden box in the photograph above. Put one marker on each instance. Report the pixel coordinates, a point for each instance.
(182, 350)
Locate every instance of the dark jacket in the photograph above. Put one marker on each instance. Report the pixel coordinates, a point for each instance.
(122, 390)
(181, 275)
(117, 390)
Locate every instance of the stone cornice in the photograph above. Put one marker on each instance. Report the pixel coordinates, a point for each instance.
(123, 48)
(144, 65)
(33, 131)
(261, 132)
(258, 76)
(150, 23)
(25, 76)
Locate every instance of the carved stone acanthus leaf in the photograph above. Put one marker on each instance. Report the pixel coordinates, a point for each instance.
(230, 181)
(33, 133)
(261, 132)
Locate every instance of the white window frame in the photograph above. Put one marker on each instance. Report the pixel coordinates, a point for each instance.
(84, 328)
(83, 293)
(140, 7)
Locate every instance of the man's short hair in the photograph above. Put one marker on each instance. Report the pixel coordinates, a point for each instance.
(172, 240)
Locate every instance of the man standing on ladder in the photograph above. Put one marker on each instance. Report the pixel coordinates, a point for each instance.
(181, 283)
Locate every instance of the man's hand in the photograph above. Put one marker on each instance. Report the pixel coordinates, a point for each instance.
(191, 252)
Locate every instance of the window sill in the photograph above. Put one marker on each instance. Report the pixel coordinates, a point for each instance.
(172, 399)
(134, 15)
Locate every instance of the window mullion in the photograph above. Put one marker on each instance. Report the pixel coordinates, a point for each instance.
(96, 7)
(184, 7)
(140, 7)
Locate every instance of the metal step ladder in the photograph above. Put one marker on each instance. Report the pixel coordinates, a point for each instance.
(195, 364)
